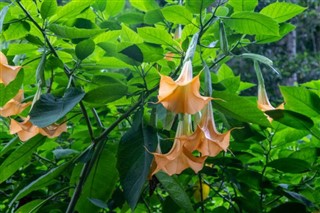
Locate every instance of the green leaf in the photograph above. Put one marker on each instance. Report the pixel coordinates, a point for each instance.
(252, 23)
(129, 35)
(243, 5)
(284, 29)
(282, 11)
(299, 198)
(198, 6)
(9, 146)
(151, 52)
(133, 52)
(3, 13)
(73, 32)
(85, 48)
(114, 7)
(290, 165)
(109, 89)
(16, 49)
(144, 5)
(16, 31)
(239, 108)
(19, 157)
(71, 10)
(131, 18)
(177, 14)
(175, 190)
(133, 158)
(153, 16)
(155, 35)
(8, 92)
(100, 183)
(291, 119)
(225, 72)
(48, 8)
(28, 206)
(41, 182)
(301, 100)
(48, 109)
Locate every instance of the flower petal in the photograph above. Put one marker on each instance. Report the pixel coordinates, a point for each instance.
(7, 73)
(25, 129)
(181, 98)
(14, 106)
(53, 130)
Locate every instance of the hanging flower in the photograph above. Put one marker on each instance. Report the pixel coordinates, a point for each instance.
(206, 139)
(27, 130)
(263, 101)
(182, 95)
(14, 106)
(178, 158)
(7, 73)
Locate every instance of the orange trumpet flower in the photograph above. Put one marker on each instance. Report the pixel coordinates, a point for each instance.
(27, 130)
(182, 95)
(178, 158)
(14, 106)
(206, 139)
(7, 73)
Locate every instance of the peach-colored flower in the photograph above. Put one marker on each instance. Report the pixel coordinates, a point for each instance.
(263, 101)
(14, 106)
(178, 158)
(27, 130)
(206, 139)
(182, 95)
(7, 73)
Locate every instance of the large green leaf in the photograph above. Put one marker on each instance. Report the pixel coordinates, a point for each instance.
(43, 181)
(198, 6)
(284, 29)
(153, 16)
(73, 32)
(129, 35)
(48, 109)
(105, 89)
(302, 100)
(48, 8)
(155, 35)
(133, 158)
(85, 48)
(239, 108)
(282, 11)
(252, 23)
(175, 190)
(144, 5)
(19, 157)
(72, 9)
(291, 119)
(114, 7)
(243, 5)
(16, 30)
(100, 183)
(177, 14)
(151, 52)
(290, 165)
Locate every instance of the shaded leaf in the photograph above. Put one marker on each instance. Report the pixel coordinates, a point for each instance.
(291, 119)
(175, 190)
(133, 158)
(84, 49)
(48, 109)
(197, 6)
(290, 165)
(19, 157)
(73, 32)
(289, 207)
(48, 8)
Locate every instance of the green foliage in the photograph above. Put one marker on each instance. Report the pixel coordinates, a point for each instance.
(95, 65)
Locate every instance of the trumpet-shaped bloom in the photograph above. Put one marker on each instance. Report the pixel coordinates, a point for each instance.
(14, 106)
(27, 130)
(178, 158)
(182, 95)
(7, 73)
(263, 101)
(206, 139)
